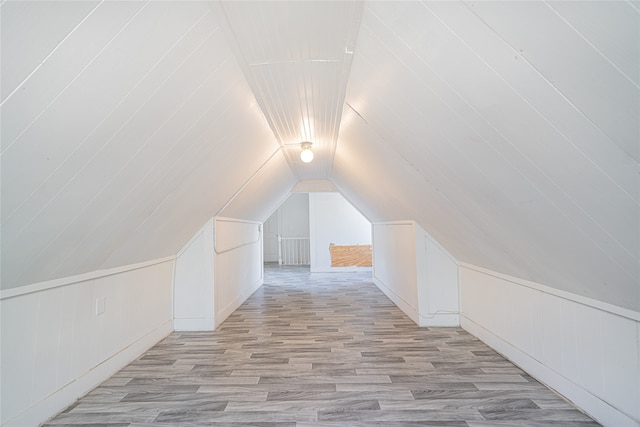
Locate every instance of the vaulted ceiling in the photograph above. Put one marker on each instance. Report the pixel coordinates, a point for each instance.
(508, 130)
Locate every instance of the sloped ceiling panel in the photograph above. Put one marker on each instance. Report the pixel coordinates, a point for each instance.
(267, 189)
(126, 136)
(296, 57)
(514, 164)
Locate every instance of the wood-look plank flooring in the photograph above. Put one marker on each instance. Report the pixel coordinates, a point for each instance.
(321, 350)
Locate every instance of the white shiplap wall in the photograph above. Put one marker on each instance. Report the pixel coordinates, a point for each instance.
(56, 347)
(586, 350)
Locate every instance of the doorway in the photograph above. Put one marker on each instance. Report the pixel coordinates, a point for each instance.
(313, 229)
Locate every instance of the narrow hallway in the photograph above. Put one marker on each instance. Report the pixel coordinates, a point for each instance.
(321, 349)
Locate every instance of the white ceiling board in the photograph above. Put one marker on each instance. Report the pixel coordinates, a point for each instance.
(208, 187)
(588, 177)
(569, 181)
(84, 99)
(49, 23)
(593, 20)
(109, 129)
(576, 129)
(383, 186)
(109, 155)
(264, 192)
(597, 88)
(162, 174)
(67, 62)
(296, 57)
(472, 133)
(157, 113)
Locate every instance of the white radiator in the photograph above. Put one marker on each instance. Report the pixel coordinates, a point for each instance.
(293, 251)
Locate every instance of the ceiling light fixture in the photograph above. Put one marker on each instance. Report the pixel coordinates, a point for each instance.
(306, 155)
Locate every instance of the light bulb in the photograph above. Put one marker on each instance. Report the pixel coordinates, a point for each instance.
(306, 155)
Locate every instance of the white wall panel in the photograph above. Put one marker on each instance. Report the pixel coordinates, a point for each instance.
(238, 265)
(585, 350)
(441, 298)
(193, 283)
(416, 273)
(551, 313)
(55, 347)
(394, 264)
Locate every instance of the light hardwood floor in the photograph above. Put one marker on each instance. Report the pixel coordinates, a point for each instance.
(321, 350)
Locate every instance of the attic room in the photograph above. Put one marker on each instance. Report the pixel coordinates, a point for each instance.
(493, 146)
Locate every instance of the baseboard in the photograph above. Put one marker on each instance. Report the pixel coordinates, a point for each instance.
(410, 311)
(65, 396)
(184, 325)
(447, 320)
(595, 407)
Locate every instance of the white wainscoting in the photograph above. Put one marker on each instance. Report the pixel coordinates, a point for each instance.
(55, 347)
(238, 266)
(416, 273)
(586, 350)
(216, 271)
(193, 283)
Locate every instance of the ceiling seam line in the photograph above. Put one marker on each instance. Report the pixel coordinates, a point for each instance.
(132, 188)
(63, 90)
(96, 195)
(583, 37)
(557, 90)
(51, 53)
(138, 83)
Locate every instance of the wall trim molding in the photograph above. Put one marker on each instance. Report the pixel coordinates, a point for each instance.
(196, 324)
(609, 308)
(600, 410)
(84, 277)
(449, 320)
(64, 396)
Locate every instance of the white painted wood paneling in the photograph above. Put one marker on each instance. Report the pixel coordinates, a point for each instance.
(394, 264)
(148, 101)
(264, 191)
(238, 264)
(439, 303)
(299, 72)
(585, 351)
(62, 348)
(416, 273)
(620, 47)
(491, 140)
(603, 94)
(193, 304)
(53, 21)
